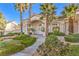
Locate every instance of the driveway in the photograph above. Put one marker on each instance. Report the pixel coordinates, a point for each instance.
(30, 50)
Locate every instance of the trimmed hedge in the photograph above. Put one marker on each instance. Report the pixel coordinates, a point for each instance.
(57, 33)
(10, 34)
(72, 38)
(13, 33)
(25, 39)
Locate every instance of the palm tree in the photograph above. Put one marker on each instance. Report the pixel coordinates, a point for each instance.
(47, 10)
(21, 7)
(30, 11)
(30, 14)
(70, 12)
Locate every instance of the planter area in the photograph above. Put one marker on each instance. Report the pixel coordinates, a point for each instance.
(57, 33)
(72, 38)
(25, 39)
(16, 44)
(54, 47)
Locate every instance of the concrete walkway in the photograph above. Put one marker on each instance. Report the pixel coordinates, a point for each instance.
(61, 38)
(30, 50)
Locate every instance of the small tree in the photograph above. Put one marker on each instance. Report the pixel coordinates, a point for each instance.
(2, 23)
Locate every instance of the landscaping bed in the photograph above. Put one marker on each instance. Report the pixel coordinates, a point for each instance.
(53, 47)
(75, 50)
(57, 33)
(72, 38)
(15, 45)
(10, 47)
(25, 39)
(10, 34)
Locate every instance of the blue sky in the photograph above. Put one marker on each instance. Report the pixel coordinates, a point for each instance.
(11, 14)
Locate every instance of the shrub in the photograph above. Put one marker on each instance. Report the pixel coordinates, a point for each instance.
(58, 33)
(53, 47)
(72, 38)
(10, 34)
(1, 35)
(51, 39)
(13, 33)
(1, 39)
(28, 42)
(2, 44)
(22, 37)
(25, 39)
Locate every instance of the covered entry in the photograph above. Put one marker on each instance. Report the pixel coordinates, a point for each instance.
(37, 27)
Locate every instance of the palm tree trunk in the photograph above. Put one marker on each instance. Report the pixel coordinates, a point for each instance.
(30, 11)
(46, 29)
(21, 23)
(70, 25)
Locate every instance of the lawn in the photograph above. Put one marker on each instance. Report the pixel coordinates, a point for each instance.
(72, 38)
(75, 50)
(16, 44)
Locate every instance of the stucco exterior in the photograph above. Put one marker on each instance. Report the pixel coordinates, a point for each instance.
(10, 27)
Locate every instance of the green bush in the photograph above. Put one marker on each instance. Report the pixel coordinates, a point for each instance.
(51, 39)
(25, 39)
(2, 44)
(53, 47)
(72, 38)
(10, 34)
(13, 33)
(58, 33)
(28, 42)
(1, 35)
(10, 47)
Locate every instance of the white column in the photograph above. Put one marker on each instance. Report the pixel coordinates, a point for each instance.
(26, 29)
(67, 28)
(75, 24)
(78, 26)
(61, 27)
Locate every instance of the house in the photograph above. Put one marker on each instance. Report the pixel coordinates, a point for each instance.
(10, 27)
(38, 25)
(63, 24)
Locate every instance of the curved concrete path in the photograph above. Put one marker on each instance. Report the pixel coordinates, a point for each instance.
(30, 50)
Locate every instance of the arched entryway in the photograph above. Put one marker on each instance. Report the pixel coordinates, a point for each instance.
(37, 27)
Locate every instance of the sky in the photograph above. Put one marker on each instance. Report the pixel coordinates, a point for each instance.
(11, 14)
